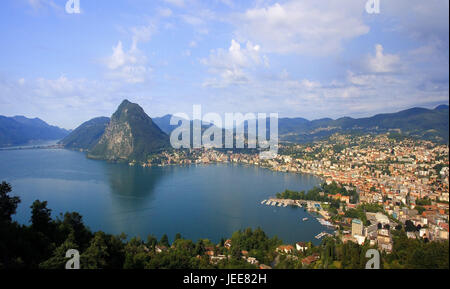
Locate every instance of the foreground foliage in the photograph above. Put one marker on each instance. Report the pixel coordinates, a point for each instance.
(45, 242)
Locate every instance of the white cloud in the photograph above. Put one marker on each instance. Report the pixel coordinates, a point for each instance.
(142, 34)
(383, 63)
(422, 20)
(42, 5)
(231, 65)
(310, 26)
(200, 19)
(178, 3)
(130, 66)
(53, 99)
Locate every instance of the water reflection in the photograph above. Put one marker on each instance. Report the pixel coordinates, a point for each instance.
(132, 191)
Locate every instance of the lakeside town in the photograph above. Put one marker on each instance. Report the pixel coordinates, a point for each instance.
(380, 182)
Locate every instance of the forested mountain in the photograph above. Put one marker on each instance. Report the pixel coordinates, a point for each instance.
(87, 135)
(430, 124)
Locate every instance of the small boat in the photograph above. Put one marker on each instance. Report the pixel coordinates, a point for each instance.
(305, 219)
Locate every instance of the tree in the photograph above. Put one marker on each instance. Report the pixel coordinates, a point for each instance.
(41, 220)
(96, 256)
(152, 242)
(164, 241)
(136, 255)
(409, 226)
(177, 237)
(200, 248)
(73, 222)
(8, 205)
(58, 259)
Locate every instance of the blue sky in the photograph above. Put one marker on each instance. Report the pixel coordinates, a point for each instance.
(304, 58)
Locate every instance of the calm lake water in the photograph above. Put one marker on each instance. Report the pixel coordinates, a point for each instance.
(204, 201)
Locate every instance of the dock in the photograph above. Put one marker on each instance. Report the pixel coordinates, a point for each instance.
(279, 203)
(321, 235)
(324, 222)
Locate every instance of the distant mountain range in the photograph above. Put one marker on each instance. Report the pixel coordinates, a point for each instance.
(429, 124)
(164, 123)
(19, 130)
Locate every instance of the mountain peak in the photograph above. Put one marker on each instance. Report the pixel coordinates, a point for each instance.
(125, 102)
(441, 107)
(130, 135)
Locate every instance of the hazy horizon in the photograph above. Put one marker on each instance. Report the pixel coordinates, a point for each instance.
(160, 116)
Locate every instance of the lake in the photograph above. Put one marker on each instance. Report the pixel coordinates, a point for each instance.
(199, 201)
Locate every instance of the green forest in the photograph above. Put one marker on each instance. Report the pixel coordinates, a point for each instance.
(43, 245)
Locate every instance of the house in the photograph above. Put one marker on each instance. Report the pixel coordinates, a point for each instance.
(160, 249)
(252, 260)
(285, 249)
(301, 246)
(411, 235)
(310, 259)
(348, 237)
(360, 239)
(227, 244)
(384, 240)
(216, 259)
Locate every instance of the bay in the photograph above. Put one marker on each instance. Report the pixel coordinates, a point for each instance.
(199, 201)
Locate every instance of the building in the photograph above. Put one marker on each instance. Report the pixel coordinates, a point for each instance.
(357, 227)
(310, 259)
(384, 240)
(285, 249)
(301, 246)
(227, 244)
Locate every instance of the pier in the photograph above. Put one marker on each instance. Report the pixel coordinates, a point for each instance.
(321, 235)
(279, 203)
